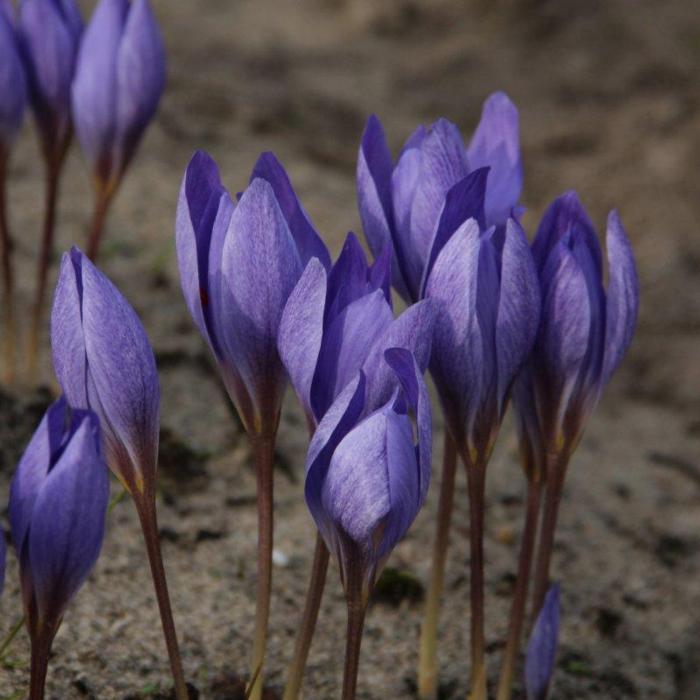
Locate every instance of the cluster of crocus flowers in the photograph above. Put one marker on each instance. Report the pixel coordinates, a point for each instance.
(58, 503)
(103, 81)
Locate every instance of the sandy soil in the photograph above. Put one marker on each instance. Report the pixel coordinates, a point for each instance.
(610, 104)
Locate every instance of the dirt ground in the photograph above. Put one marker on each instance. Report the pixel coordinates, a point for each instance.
(609, 95)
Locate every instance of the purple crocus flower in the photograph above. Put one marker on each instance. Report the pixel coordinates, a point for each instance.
(487, 299)
(404, 205)
(238, 265)
(13, 88)
(338, 322)
(542, 648)
(50, 32)
(58, 503)
(119, 78)
(584, 331)
(366, 480)
(103, 361)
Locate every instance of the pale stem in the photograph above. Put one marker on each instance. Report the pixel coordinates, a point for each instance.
(357, 607)
(103, 199)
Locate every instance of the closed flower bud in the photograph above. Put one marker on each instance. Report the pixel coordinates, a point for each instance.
(13, 88)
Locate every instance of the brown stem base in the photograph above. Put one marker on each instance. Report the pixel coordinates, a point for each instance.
(356, 596)
(149, 523)
(427, 662)
(314, 596)
(517, 611)
(103, 199)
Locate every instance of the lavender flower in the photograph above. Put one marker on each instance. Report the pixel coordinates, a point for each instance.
(119, 78)
(402, 206)
(50, 32)
(13, 88)
(542, 648)
(336, 323)
(58, 503)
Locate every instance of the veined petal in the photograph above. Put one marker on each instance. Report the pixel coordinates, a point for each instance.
(542, 648)
(260, 266)
(622, 298)
(457, 337)
(67, 523)
(122, 366)
(496, 144)
(308, 241)
(94, 89)
(348, 278)
(347, 341)
(140, 79)
(301, 330)
(518, 307)
(412, 330)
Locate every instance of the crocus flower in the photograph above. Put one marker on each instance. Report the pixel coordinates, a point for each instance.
(119, 78)
(402, 205)
(542, 648)
(336, 323)
(584, 333)
(58, 503)
(50, 32)
(103, 361)
(366, 480)
(13, 89)
(238, 265)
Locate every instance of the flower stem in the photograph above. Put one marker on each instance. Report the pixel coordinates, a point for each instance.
(103, 199)
(476, 477)
(9, 329)
(308, 621)
(53, 176)
(556, 471)
(146, 509)
(357, 606)
(263, 454)
(427, 663)
(517, 611)
(41, 650)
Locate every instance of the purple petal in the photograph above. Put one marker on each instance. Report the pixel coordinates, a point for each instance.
(67, 334)
(464, 201)
(566, 217)
(95, 88)
(335, 424)
(67, 522)
(457, 354)
(260, 267)
(496, 144)
(348, 278)
(301, 330)
(380, 274)
(518, 307)
(307, 239)
(412, 330)
(124, 389)
(541, 652)
(13, 88)
(33, 468)
(623, 296)
(140, 70)
(374, 193)
(347, 341)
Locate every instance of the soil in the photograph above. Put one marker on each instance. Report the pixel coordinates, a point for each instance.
(609, 94)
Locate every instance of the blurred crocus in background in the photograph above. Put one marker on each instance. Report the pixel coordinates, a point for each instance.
(334, 324)
(50, 32)
(104, 362)
(541, 655)
(13, 98)
(583, 335)
(119, 79)
(58, 503)
(238, 265)
(367, 476)
(449, 214)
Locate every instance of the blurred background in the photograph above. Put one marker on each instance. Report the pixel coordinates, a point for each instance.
(609, 98)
